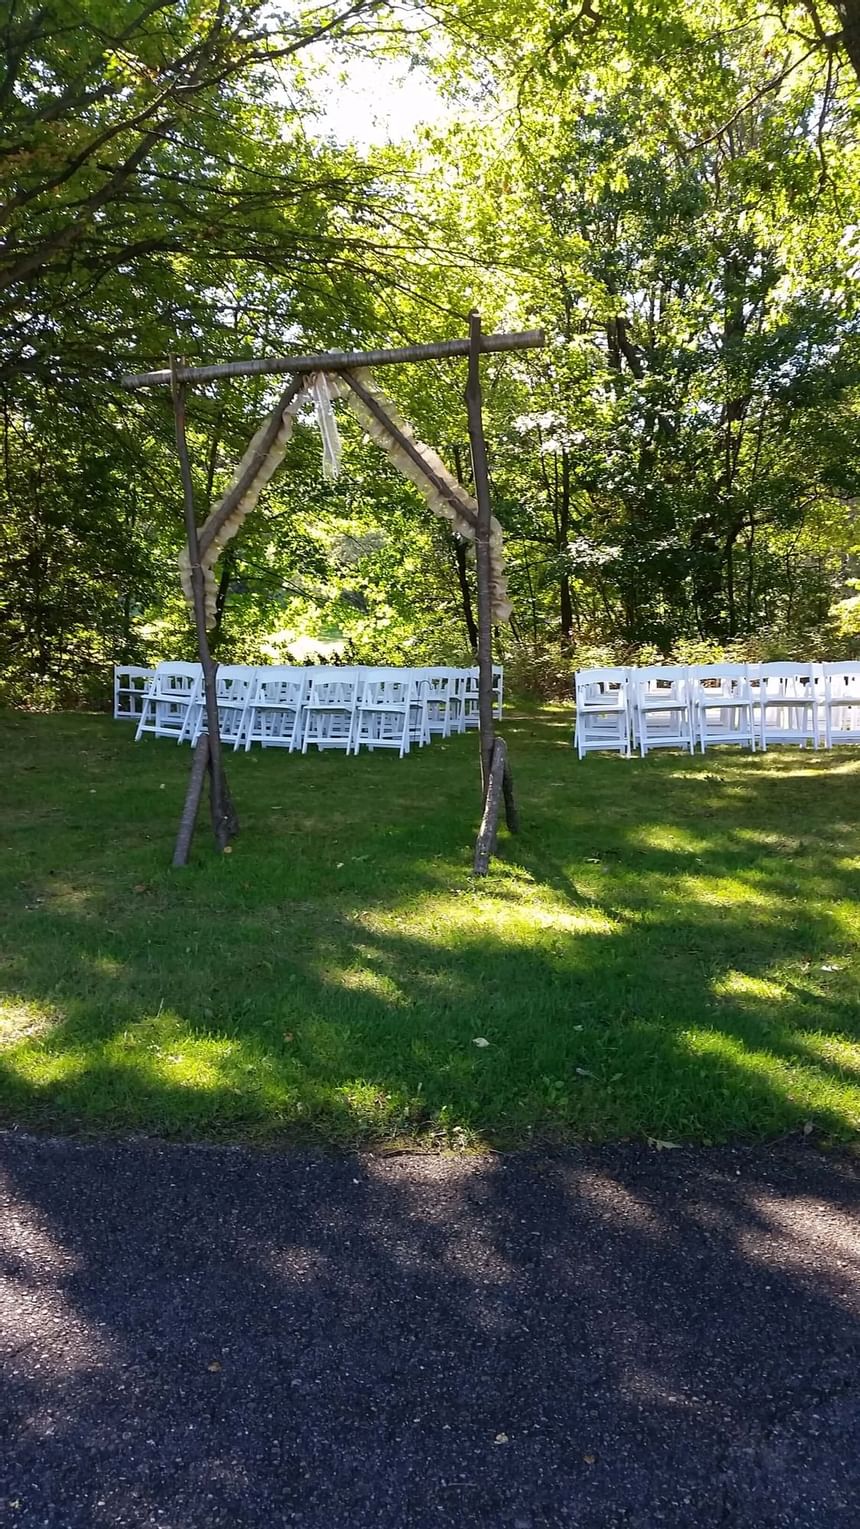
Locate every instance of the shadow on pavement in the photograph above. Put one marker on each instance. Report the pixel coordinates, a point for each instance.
(609, 1337)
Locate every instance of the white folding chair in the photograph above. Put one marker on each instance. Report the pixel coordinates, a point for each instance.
(329, 710)
(787, 703)
(456, 688)
(233, 686)
(273, 716)
(469, 716)
(722, 704)
(171, 692)
(419, 724)
(441, 700)
(662, 708)
(841, 703)
(602, 711)
(130, 684)
(384, 711)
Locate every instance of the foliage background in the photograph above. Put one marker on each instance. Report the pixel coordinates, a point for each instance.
(670, 192)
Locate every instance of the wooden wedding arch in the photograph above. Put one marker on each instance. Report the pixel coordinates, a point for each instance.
(345, 375)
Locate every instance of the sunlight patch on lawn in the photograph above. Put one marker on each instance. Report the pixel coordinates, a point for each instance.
(837, 1050)
(764, 838)
(104, 966)
(364, 980)
(734, 984)
(68, 895)
(22, 1019)
(846, 917)
(163, 1048)
(40, 1068)
(451, 920)
(819, 764)
(370, 1105)
(729, 892)
(184, 1069)
(671, 838)
(803, 1085)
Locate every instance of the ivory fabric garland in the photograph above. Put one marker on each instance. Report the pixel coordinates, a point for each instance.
(268, 467)
(436, 501)
(321, 387)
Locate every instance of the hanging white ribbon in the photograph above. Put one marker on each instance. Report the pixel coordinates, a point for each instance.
(319, 390)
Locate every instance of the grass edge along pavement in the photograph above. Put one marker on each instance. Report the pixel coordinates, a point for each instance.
(668, 950)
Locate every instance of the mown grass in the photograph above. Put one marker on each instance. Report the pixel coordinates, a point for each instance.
(669, 949)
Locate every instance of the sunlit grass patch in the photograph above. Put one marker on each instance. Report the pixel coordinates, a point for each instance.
(757, 990)
(820, 1095)
(669, 949)
(23, 1020)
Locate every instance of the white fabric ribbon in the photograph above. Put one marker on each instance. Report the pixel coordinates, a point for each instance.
(319, 390)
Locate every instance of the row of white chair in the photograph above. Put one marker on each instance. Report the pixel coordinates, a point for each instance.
(296, 708)
(675, 706)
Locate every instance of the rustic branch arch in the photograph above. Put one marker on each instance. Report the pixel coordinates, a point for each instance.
(348, 376)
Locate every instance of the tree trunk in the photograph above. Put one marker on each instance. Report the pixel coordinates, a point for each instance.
(461, 562)
(532, 600)
(750, 572)
(228, 564)
(565, 602)
(848, 12)
(566, 608)
(730, 587)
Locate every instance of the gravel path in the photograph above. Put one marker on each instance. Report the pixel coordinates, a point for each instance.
(197, 1336)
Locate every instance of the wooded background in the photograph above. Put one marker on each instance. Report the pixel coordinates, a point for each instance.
(670, 190)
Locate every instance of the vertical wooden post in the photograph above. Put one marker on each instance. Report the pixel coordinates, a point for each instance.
(224, 821)
(481, 475)
(185, 832)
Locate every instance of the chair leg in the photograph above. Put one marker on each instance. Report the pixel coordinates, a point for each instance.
(140, 725)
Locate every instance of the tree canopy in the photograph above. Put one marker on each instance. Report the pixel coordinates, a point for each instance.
(669, 190)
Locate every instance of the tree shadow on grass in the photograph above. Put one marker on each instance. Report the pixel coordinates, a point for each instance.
(603, 1337)
(666, 951)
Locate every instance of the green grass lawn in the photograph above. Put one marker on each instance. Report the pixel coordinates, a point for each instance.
(669, 948)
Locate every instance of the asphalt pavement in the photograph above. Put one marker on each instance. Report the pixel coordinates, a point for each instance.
(621, 1336)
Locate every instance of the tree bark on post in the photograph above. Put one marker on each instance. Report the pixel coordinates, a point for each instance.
(192, 801)
(335, 360)
(512, 817)
(486, 840)
(481, 476)
(224, 821)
